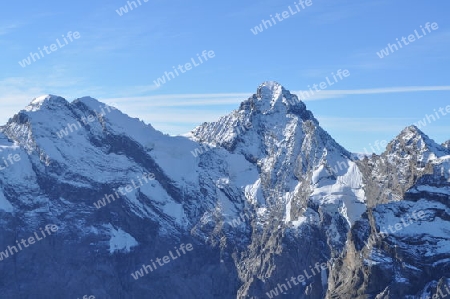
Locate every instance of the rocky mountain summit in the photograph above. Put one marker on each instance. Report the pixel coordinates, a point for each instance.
(270, 206)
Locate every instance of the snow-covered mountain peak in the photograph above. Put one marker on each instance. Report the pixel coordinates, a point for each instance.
(52, 127)
(271, 96)
(413, 140)
(272, 113)
(269, 89)
(411, 131)
(45, 100)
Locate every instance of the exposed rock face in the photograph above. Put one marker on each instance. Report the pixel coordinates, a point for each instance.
(270, 203)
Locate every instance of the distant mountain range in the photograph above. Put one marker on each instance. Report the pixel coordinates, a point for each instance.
(262, 203)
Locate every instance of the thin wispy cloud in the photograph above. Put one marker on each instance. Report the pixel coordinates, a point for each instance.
(332, 94)
(177, 116)
(182, 100)
(186, 100)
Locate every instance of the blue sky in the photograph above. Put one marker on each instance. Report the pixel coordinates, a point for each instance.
(117, 58)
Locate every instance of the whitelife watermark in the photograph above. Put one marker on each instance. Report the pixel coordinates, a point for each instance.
(72, 127)
(108, 198)
(431, 118)
(343, 165)
(53, 48)
(319, 267)
(411, 38)
(86, 297)
(9, 161)
(324, 85)
(379, 145)
(396, 227)
(241, 219)
(161, 262)
(124, 9)
(439, 295)
(187, 67)
(49, 228)
(281, 17)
